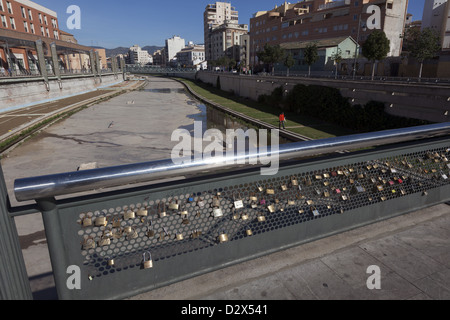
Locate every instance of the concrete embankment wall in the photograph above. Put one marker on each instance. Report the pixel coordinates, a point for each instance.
(425, 101)
(19, 93)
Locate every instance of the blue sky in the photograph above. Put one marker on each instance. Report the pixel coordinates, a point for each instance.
(113, 23)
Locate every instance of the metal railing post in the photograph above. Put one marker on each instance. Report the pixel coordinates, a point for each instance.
(14, 282)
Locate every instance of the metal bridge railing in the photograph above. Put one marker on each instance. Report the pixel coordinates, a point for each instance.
(134, 239)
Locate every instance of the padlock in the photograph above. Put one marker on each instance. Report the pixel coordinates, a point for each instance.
(200, 202)
(291, 202)
(340, 172)
(223, 237)
(101, 221)
(215, 202)
(271, 208)
(379, 187)
(111, 262)
(334, 173)
(262, 201)
(129, 215)
(162, 210)
(104, 241)
(132, 234)
(261, 218)
(238, 204)
(88, 243)
(147, 263)
(235, 216)
(142, 212)
(301, 211)
(217, 213)
(318, 177)
(87, 221)
(127, 229)
(244, 216)
(309, 202)
(191, 199)
(444, 176)
(150, 232)
(315, 212)
(116, 222)
(326, 193)
(326, 175)
(173, 205)
(317, 191)
(344, 197)
(351, 181)
(253, 197)
(117, 233)
(283, 187)
(338, 191)
(249, 232)
(326, 183)
(179, 236)
(270, 191)
(294, 181)
(402, 191)
(383, 198)
(307, 181)
(359, 188)
(360, 175)
(259, 187)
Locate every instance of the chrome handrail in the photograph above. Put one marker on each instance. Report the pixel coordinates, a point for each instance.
(82, 181)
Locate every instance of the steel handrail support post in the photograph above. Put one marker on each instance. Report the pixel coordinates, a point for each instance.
(14, 281)
(55, 241)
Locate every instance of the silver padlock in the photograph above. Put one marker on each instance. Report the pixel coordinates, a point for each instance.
(147, 263)
(238, 204)
(217, 212)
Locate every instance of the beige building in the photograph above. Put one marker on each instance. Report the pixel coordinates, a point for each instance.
(436, 15)
(214, 16)
(225, 40)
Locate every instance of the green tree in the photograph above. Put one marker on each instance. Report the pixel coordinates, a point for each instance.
(288, 62)
(423, 45)
(337, 58)
(271, 55)
(310, 56)
(376, 48)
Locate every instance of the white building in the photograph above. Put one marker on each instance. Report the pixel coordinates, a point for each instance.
(138, 56)
(173, 46)
(213, 16)
(436, 15)
(191, 56)
(225, 40)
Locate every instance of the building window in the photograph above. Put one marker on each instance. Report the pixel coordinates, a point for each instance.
(25, 26)
(45, 20)
(4, 23)
(24, 15)
(42, 31)
(32, 28)
(285, 25)
(40, 18)
(8, 5)
(356, 3)
(1, 5)
(30, 15)
(48, 33)
(12, 22)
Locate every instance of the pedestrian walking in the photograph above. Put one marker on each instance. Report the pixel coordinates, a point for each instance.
(282, 121)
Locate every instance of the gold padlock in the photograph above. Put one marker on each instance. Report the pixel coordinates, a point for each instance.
(101, 221)
(88, 243)
(291, 202)
(260, 188)
(147, 263)
(261, 218)
(223, 237)
(142, 212)
(283, 187)
(150, 232)
(162, 210)
(111, 262)
(129, 214)
(244, 216)
(87, 221)
(294, 181)
(116, 222)
(215, 201)
(179, 236)
(253, 197)
(249, 232)
(270, 191)
(326, 193)
(271, 208)
(104, 241)
(117, 233)
(173, 206)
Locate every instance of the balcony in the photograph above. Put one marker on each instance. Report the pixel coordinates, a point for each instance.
(334, 4)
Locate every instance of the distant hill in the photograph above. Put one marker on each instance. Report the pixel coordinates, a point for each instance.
(124, 50)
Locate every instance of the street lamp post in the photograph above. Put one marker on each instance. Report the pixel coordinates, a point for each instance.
(357, 47)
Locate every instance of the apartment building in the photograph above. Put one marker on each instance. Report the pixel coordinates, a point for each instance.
(311, 20)
(436, 15)
(173, 46)
(214, 16)
(191, 56)
(22, 22)
(225, 40)
(138, 56)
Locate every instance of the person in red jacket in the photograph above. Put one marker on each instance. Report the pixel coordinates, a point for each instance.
(282, 121)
